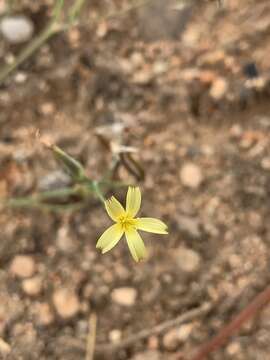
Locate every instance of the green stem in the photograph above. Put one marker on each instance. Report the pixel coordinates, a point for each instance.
(97, 191)
(75, 11)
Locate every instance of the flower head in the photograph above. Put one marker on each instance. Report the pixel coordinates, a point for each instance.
(126, 223)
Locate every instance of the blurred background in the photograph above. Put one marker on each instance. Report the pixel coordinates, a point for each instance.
(179, 92)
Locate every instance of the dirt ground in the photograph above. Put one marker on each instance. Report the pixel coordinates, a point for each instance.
(187, 87)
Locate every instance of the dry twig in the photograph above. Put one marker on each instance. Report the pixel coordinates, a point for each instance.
(91, 338)
(144, 334)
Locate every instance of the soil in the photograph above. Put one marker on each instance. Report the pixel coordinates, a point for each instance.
(189, 89)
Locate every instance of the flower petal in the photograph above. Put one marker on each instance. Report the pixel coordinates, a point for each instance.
(110, 238)
(151, 225)
(133, 201)
(135, 244)
(114, 208)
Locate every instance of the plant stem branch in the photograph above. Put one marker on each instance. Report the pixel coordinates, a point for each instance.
(97, 191)
(91, 339)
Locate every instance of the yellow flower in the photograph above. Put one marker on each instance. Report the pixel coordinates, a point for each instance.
(126, 223)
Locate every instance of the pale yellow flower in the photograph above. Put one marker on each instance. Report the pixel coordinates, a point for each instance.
(126, 223)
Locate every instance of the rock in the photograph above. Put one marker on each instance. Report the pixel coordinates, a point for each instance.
(142, 77)
(66, 303)
(189, 226)
(174, 337)
(170, 340)
(5, 348)
(191, 175)
(47, 108)
(115, 336)
(187, 260)
(153, 342)
(184, 332)
(23, 266)
(148, 355)
(44, 314)
(265, 163)
(32, 286)
(160, 67)
(64, 241)
(234, 349)
(16, 29)
(219, 88)
(124, 296)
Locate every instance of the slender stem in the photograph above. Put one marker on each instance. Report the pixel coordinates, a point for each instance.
(97, 191)
(91, 339)
(63, 192)
(75, 10)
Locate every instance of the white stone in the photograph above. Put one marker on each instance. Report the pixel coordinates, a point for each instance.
(115, 336)
(66, 303)
(22, 266)
(32, 286)
(219, 88)
(191, 175)
(124, 296)
(187, 260)
(16, 29)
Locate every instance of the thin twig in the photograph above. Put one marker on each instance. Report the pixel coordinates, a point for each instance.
(261, 300)
(144, 334)
(91, 338)
(96, 189)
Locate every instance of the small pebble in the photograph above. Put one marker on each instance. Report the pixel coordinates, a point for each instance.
(184, 332)
(170, 340)
(233, 349)
(174, 337)
(219, 88)
(32, 286)
(16, 29)
(66, 303)
(47, 108)
(115, 336)
(124, 296)
(44, 314)
(64, 241)
(191, 175)
(5, 348)
(265, 163)
(188, 225)
(23, 266)
(153, 342)
(187, 260)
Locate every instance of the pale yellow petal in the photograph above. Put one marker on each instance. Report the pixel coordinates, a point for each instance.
(135, 244)
(114, 208)
(110, 238)
(151, 225)
(133, 201)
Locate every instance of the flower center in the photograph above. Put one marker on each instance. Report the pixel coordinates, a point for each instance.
(126, 222)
